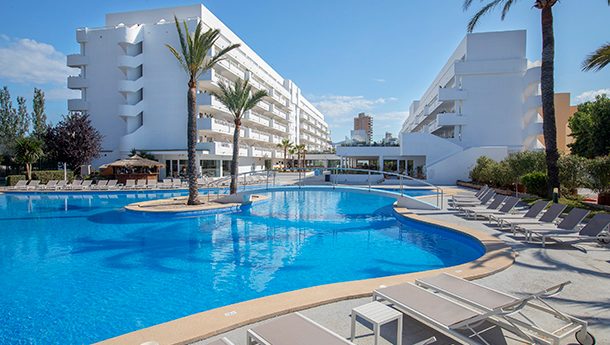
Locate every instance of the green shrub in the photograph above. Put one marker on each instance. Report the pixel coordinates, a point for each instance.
(483, 170)
(572, 173)
(525, 162)
(46, 175)
(535, 183)
(599, 174)
(11, 180)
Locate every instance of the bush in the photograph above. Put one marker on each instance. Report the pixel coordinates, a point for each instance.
(572, 173)
(483, 170)
(11, 180)
(522, 163)
(535, 183)
(46, 175)
(599, 174)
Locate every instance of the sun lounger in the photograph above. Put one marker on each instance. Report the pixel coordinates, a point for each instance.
(152, 184)
(62, 184)
(595, 230)
(457, 204)
(489, 300)
(176, 183)
(549, 216)
(493, 205)
(85, 184)
(100, 185)
(469, 196)
(509, 203)
(112, 184)
(567, 224)
(141, 184)
(130, 184)
(222, 341)
(456, 321)
(74, 185)
(50, 185)
(20, 185)
(473, 200)
(32, 185)
(531, 213)
(293, 329)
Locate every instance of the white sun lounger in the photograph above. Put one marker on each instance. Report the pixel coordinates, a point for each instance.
(531, 213)
(456, 321)
(74, 185)
(100, 185)
(112, 184)
(20, 185)
(222, 341)
(130, 184)
(595, 230)
(62, 184)
(33, 185)
(141, 184)
(50, 185)
(489, 300)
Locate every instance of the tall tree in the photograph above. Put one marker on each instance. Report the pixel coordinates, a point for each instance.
(590, 129)
(27, 151)
(39, 117)
(9, 124)
(195, 58)
(238, 98)
(599, 58)
(547, 78)
(301, 151)
(74, 140)
(23, 118)
(285, 144)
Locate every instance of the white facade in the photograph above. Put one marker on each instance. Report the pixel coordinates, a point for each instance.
(484, 101)
(135, 92)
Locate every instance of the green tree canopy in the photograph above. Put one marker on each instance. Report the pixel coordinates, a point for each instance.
(590, 127)
(39, 117)
(27, 151)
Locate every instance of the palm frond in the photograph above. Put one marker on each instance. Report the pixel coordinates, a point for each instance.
(238, 98)
(507, 5)
(483, 11)
(598, 59)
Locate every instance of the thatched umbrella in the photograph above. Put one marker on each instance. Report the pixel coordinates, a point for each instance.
(134, 161)
(133, 168)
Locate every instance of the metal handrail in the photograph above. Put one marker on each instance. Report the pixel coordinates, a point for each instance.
(270, 180)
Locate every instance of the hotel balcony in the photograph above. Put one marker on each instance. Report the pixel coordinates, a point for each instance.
(130, 34)
(257, 119)
(277, 98)
(76, 83)
(231, 69)
(128, 110)
(217, 126)
(532, 76)
(450, 119)
(533, 102)
(260, 152)
(255, 84)
(77, 60)
(209, 104)
(78, 105)
(81, 35)
(221, 149)
(451, 94)
(131, 85)
(256, 135)
(126, 61)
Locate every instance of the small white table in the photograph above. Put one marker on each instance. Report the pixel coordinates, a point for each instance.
(378, 314)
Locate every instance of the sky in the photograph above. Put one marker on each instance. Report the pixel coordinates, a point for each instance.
(347, 56)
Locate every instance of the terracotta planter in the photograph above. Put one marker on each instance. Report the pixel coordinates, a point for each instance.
(603, 199)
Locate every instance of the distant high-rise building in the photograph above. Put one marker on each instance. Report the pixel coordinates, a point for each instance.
(365, 123)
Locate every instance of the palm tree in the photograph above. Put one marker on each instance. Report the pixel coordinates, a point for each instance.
(292, 151)
(195, 59)
(28, 151)
(286, 145)
(547, 83)
(238, 98)
(599, 58)
(301, 150)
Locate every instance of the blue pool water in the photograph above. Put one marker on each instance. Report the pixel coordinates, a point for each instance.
(78, 269)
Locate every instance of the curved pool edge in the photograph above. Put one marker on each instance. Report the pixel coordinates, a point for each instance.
(498, 256)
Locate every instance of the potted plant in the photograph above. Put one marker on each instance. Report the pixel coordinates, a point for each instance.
(599, 178)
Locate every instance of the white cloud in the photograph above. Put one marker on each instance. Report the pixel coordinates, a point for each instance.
(395, 116)
(61, 93)
(590, 95)
(379, 80)
(30, 62)
(333, 106)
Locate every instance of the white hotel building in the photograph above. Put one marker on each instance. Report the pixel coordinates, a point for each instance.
(484, 101)
(135, 93)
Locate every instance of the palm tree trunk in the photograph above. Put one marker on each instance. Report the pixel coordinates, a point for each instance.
(547, 87)
(191, 170)
(28, 170)
(233, 188)
(285, 162)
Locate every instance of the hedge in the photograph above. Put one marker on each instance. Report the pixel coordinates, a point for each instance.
(535, 183)
(11, 180)
(46, 175)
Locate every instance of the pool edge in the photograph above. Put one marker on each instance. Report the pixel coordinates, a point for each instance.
(498, 256)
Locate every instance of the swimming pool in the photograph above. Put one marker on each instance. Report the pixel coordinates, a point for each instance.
(76, 268)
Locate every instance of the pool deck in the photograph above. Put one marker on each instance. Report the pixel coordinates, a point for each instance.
(217, 321)
(535, 268)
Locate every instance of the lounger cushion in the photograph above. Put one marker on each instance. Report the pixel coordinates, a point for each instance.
(480, 295)
(429, 304)
(293, 329)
